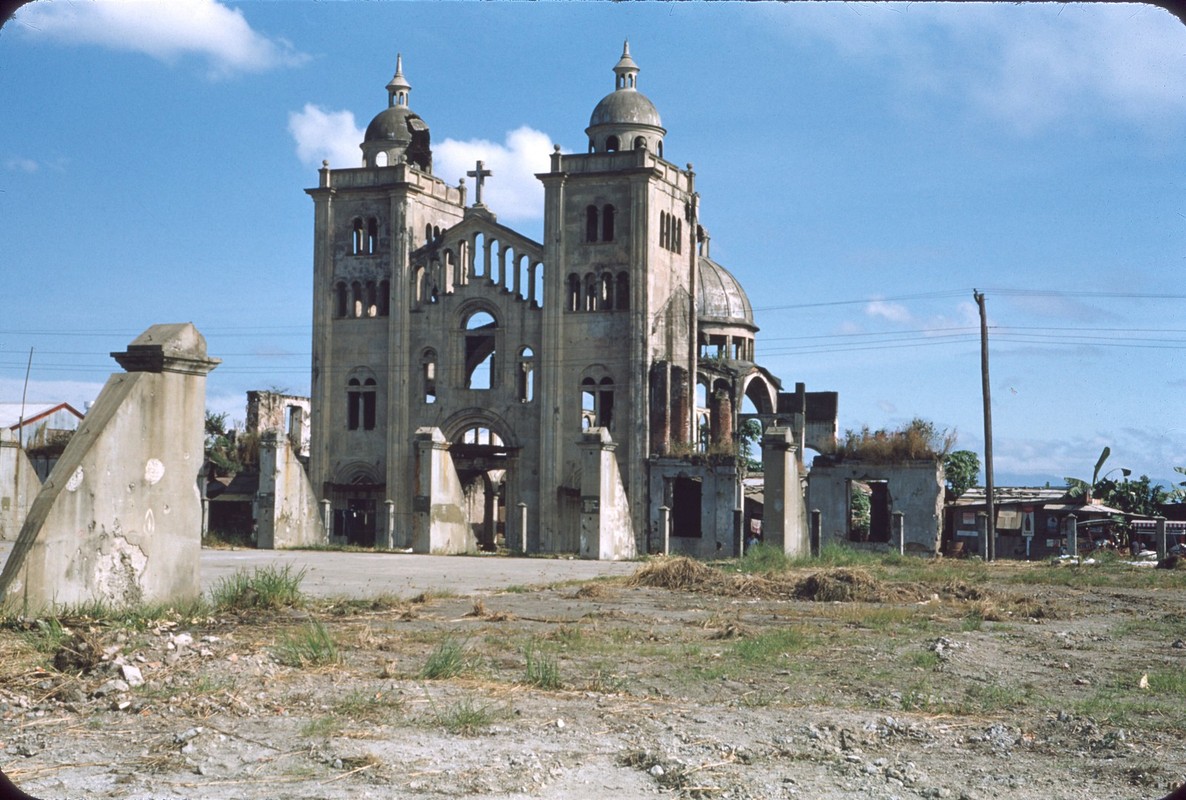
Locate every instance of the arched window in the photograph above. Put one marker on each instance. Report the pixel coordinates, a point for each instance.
(597, 403)
(679, 236)
(591, 224)
(622, 299)
(384, 298)
(342, 300)
(481, 331)
(353, 403)
(611, 144)
(372, 235)
(357, 299)
(660, 148)
(605, 291)
(640, 143)
(574, 292)
(607, 224)
(372, 301)
(590, 292)
(588, 403)
(428, 376)
(663, 229)
(526, 375)
(427, 233)
(605, 403)
(357, 237)
(591, 146)
(368, 404)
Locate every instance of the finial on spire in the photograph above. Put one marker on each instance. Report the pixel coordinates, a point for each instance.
(398, 88)
(626, 70)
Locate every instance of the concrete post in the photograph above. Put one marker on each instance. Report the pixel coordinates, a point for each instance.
(389, 538)
(982, 534)
(520, 543)
(205, 519)
(783, 518)
(327, 519)
(1072, 536)
(1162, 549)
(816, 523)
(665, 528)
(898, 522)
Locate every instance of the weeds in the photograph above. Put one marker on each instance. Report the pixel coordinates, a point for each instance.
(464, 717)
(543, 671)
(447, 660)
(769, 647)
(764, 559)
(310, 646)
(268, 588)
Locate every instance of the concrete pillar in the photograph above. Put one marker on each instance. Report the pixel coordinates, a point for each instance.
(816, 526)
(1162, 548)
(606, 530)
(205, 518)
(898, 523)
(982, 534)
(119, 520)
(327, 519)
(517, 545)
(1072, 536)
(440, 525)
(389, 539)
(665, 528)
(784, 523)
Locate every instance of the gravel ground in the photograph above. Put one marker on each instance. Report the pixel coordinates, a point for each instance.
(993, 686)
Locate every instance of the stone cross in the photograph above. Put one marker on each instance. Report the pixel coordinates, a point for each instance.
(479, 175)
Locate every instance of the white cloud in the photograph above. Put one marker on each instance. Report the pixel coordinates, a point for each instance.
(21, 165)
(1027, 65)
(165, 31)
(326, 135)
(76, 393)
(894, 312)
(512, 192)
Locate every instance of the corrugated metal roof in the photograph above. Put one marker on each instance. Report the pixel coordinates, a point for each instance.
(10, 413)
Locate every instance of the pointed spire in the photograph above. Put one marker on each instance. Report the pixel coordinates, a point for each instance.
(626, 70)
(398, 88)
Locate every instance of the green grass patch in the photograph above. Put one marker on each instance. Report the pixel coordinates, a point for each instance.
(764, 559)
(267, 588)
(465, 717)
(447, 660)
(769, 647)
(543, 670)
(308, 646)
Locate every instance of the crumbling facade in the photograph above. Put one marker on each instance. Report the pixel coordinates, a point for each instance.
(615, 345)
(118, 521)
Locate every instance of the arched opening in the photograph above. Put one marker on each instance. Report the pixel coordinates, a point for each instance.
(480, 343)
(428, 376)
(342, 300)
(588, 403)
(574, 292)
(482, 461)
(605, 291)
(622, 300)
(384, 298)
(640, 143)
(372, 235)
(611, 144)
(591, 224)
(357, 236)
(607, 224)
(590, 292)
(372, 299)
(526, 375)
(357, 298)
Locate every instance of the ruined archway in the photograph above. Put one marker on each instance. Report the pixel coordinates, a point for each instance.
(484, 453)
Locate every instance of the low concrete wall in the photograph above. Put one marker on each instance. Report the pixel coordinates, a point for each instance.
(915, 489)
(19, 485)
(119, 519)
(289, 515)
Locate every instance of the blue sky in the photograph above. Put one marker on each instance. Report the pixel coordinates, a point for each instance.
(862, 168)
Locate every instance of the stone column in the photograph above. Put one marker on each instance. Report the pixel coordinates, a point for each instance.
(898, 522)
(389, 542)
(784, 523)
(518, 542)
(327, 519)
(665, 528)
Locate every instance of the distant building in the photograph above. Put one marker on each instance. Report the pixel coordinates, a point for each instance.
(38, 424)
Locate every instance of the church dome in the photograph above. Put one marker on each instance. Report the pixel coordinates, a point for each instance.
(625, 107)
(625, 119)
(720, 299)
(397, 133)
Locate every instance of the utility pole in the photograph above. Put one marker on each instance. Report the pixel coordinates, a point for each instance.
(990, 505)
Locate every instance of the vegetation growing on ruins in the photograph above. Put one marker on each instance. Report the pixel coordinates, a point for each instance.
(917, 440)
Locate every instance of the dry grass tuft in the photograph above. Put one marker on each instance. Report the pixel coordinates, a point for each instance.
(842, 584)
(592, 591)
(78, 653)
(479, 609)
(679, 573)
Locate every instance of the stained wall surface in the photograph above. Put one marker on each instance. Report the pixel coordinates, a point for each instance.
(119, 519)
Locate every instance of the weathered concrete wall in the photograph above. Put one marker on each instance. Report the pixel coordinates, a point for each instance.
(439, 523)
(606, 531)
(784, 518)
(288, 511)
(19, 485)
(915, 489)
(718, 497)
(274, 412)
(119, 519)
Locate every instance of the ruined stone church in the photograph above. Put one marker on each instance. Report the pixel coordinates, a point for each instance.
(473, 388)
